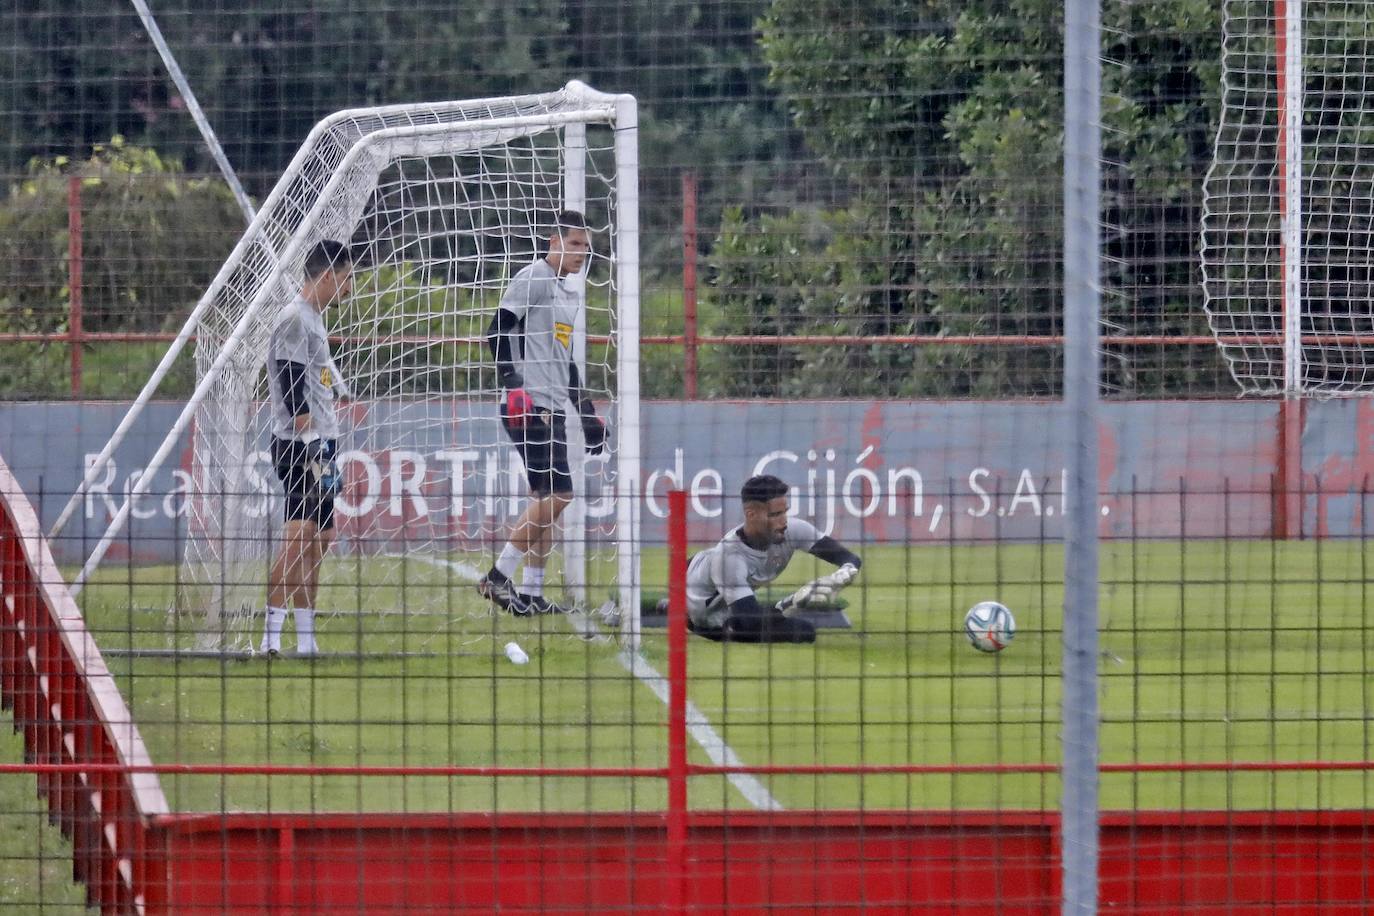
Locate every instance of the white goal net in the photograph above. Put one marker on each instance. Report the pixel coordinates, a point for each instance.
(1288, 225)
(442, 204)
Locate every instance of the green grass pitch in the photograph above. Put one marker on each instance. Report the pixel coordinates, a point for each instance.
(1212, 651)
(35, 859)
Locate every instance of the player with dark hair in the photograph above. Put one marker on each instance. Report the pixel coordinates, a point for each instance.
(722, 580)
(302, 384)
(531, 338)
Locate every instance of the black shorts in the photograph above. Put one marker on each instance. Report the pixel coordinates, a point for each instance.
(542, 442)
(303, 504)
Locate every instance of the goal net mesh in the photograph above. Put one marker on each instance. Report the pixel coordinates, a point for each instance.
(1316, 71)
(441, 205)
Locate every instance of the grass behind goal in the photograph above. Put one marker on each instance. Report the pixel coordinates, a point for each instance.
(1210, 653)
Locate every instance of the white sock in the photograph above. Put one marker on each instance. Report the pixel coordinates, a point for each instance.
(305, 631)
(271, 635)
(508, 560)
(532, 583)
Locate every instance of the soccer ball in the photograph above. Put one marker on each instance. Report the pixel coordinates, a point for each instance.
(989, 626)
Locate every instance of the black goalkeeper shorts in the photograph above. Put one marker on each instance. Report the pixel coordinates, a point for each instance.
(542, 441)
(303, 502)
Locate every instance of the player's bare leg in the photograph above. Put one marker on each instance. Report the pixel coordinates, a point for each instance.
(532, 530)
(537, 521)
(536, 558)
(288, 579)
(536, 541)
(309, 592)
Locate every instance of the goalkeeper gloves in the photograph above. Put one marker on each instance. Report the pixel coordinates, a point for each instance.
(822, 591)
(593, 427)
(326, 474)
(519, 404)
(320, 466)
(594, 432)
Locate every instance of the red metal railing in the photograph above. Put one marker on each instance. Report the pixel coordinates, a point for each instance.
(677, 772)
(75, 278)
(689, 284)
(691, 340)
(77, 730)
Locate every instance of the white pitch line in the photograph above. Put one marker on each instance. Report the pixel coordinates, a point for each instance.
(467, 570)
(720, 753)
(710, 741)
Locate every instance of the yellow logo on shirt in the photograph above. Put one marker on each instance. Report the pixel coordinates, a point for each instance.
(326, 379)
(563, 333)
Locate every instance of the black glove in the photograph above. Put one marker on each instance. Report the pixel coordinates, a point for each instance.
(323, 473)
(594, 432)
(509, 377)
(326, 474)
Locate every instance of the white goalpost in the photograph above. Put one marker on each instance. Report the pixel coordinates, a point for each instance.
(441, 204)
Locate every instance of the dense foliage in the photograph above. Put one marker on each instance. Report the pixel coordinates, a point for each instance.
(945, 120)
(867, 167)
(151, 238)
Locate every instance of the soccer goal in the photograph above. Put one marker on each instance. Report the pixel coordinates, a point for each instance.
(1288, 221)
(442, 204)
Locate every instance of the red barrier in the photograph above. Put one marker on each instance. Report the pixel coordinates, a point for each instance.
(70, 711)
(813, 861)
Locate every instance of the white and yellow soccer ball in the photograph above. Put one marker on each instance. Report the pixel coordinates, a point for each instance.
(989, 626)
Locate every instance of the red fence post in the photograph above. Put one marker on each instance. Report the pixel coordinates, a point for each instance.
(1289, 476)
(285, 893)
(689, 282)
(677, 701)
(74, 279)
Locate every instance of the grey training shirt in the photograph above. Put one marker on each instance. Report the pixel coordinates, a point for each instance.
(548, 306)
(300, 337)
(721, 575)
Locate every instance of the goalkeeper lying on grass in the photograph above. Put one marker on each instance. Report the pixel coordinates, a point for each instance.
(721, 581)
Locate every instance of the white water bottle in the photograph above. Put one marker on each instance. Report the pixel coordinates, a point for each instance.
(515, 653)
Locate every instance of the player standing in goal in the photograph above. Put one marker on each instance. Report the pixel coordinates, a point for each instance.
(531, 338)
(302, 382)
(721, 581)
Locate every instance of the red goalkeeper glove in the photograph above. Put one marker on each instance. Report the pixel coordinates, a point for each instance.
(519, 404)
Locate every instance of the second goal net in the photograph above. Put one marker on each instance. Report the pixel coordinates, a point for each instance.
(1288, 223)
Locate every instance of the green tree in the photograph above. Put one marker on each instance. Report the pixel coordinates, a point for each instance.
(945, 121)
(264, 74)
(705, 106)
(152, 239)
